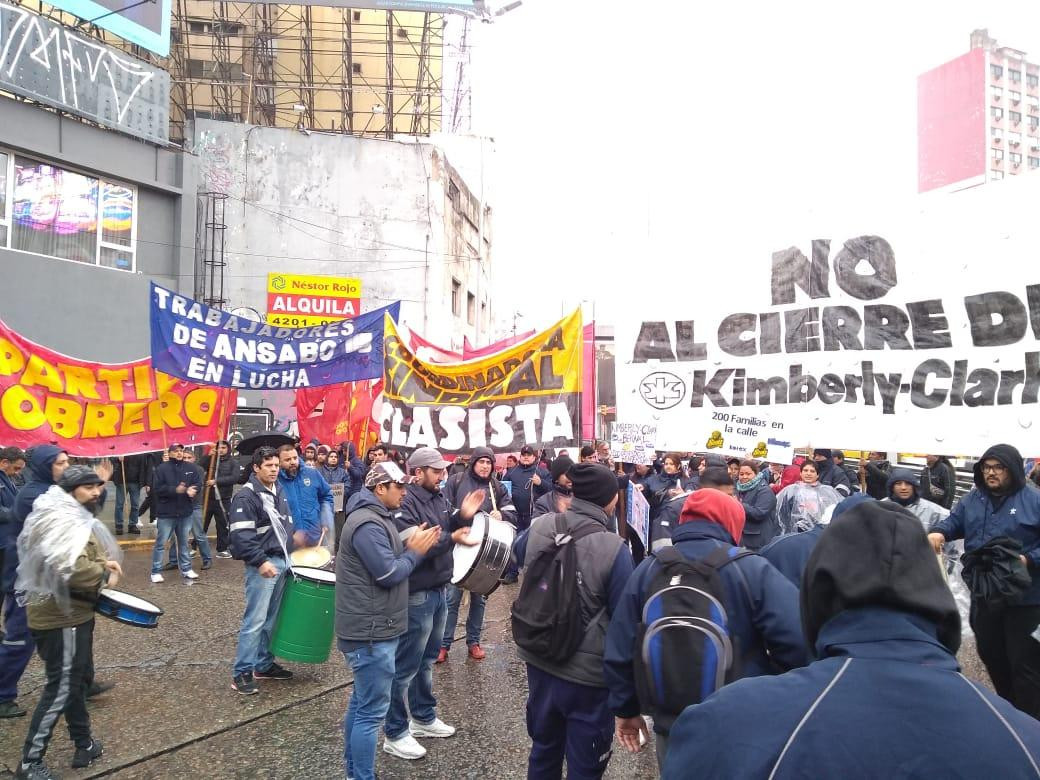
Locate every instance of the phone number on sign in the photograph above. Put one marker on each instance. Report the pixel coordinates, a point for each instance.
(297, 322)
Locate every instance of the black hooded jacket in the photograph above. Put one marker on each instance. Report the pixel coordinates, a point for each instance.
(461, 485)
(41, 460)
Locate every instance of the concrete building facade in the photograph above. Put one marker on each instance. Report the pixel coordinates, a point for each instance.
(393, 213)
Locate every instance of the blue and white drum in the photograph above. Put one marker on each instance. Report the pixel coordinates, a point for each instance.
(128, 609)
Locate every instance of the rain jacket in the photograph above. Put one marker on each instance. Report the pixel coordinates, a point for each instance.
(886, 699)
(39, 482)
(927, 512)
(981, 516)
(253, 538)
(800, 506)
(762, 607)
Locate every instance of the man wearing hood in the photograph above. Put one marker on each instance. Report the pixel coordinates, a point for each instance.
(1002, 505)
(885, 697)
(46, 465)
(761, 604)
(66, 557)
(355, 468)
(498, 504)
(830, 474)
(904, 489)
(372, 570)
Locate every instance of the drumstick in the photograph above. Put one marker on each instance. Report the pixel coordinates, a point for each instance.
(491, 490)
(322, 537)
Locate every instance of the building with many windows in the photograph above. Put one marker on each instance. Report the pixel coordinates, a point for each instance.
(978, 117)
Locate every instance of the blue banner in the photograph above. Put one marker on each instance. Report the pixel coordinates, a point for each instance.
(193, 341)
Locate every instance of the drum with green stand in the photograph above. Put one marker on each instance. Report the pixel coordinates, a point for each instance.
(306, 618)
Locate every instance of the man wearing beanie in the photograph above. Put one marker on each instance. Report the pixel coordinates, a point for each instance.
(831, 474)
(530, 482)
(1001, 505)
(558, 499)
(567, 710)
(761, 604)
(885, 697)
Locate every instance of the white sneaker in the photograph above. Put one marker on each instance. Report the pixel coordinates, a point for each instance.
(436, 729)
(157, 578)
(404, 747)
(190, 574)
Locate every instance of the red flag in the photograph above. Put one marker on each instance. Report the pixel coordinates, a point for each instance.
(339, 413)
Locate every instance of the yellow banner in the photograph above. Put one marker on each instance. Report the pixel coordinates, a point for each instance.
(547, 364)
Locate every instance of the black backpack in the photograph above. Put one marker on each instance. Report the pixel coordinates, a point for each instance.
(684, 647)
(546, 616)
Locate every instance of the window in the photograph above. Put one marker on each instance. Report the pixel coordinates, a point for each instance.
(65, 214)
(208, 69)
(1034, 122)
(471, 308)
(1015, 158)
(1033, 80)
(198, 26)
(1015, 116)
(996, 113)
(996, 175)
(1034, 105)
(355, 67)
(1034, 162)
(1014, 138)
(998, 154)
(997, 133)
(1015, 75)
(456, 297)
(996, 93)
(357, 16)
(997, 71)
(1015, 96)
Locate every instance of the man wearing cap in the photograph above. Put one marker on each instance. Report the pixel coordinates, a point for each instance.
(530, 482)
(372, 570)
(885, 697)
(567, 712)
(412, 691)
(497, 503)
(66, 557)
(176, 485)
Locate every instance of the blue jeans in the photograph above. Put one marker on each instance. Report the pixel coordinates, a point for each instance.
(263, 597)
(17, 648)
(199, 536)
(373, 667)
(416, 653)
(167, 527)
(474, 621)
(135, 500)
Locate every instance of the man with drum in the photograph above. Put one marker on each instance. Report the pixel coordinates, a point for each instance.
(372, 570)
(427, 605)
(60, 605)
(310, 499)
(497, 503)
(262, 537)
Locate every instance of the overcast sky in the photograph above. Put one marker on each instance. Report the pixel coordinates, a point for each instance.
(640, 145)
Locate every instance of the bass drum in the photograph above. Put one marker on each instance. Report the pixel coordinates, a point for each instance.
(479, 568)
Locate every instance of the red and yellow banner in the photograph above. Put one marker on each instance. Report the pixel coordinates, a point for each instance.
(100, 409)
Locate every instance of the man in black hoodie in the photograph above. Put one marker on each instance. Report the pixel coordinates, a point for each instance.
(1002, 505)
(498, 504)
(176, 485)
(46, 465)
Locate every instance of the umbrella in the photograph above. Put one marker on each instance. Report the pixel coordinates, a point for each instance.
(266, 439)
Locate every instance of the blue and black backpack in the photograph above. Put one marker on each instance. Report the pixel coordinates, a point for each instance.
(684, 647)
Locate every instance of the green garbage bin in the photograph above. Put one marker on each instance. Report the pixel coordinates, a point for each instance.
(306, 620)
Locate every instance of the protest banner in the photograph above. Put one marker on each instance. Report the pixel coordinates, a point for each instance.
(919, 334)
(633, 443)
(197, 342)
(638, 514)
(299, 300)
(527, 394)
(100, 409)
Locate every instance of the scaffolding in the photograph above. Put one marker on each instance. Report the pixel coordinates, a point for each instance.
(362, 71)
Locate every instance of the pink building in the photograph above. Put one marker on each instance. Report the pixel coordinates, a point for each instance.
(978, 117)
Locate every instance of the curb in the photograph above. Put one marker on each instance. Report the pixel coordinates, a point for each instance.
(147, 543)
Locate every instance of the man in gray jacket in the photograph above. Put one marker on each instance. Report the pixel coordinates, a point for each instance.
(567, 710)
(372, 569)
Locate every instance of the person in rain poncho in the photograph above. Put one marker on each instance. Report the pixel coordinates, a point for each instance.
(65, 557)
(800, 506)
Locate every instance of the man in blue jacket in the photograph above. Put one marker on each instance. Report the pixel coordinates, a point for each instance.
(530, 482)
(761, 604)
(885, 697)
(1003, 504)
(46, 465)
(310, 499)
(12, 461)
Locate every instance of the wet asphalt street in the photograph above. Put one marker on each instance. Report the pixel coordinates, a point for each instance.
(174, 715)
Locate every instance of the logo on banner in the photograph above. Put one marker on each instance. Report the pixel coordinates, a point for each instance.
(662, 390)
(278, 282)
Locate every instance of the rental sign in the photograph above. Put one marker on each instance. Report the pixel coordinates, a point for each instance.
(299, 301)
